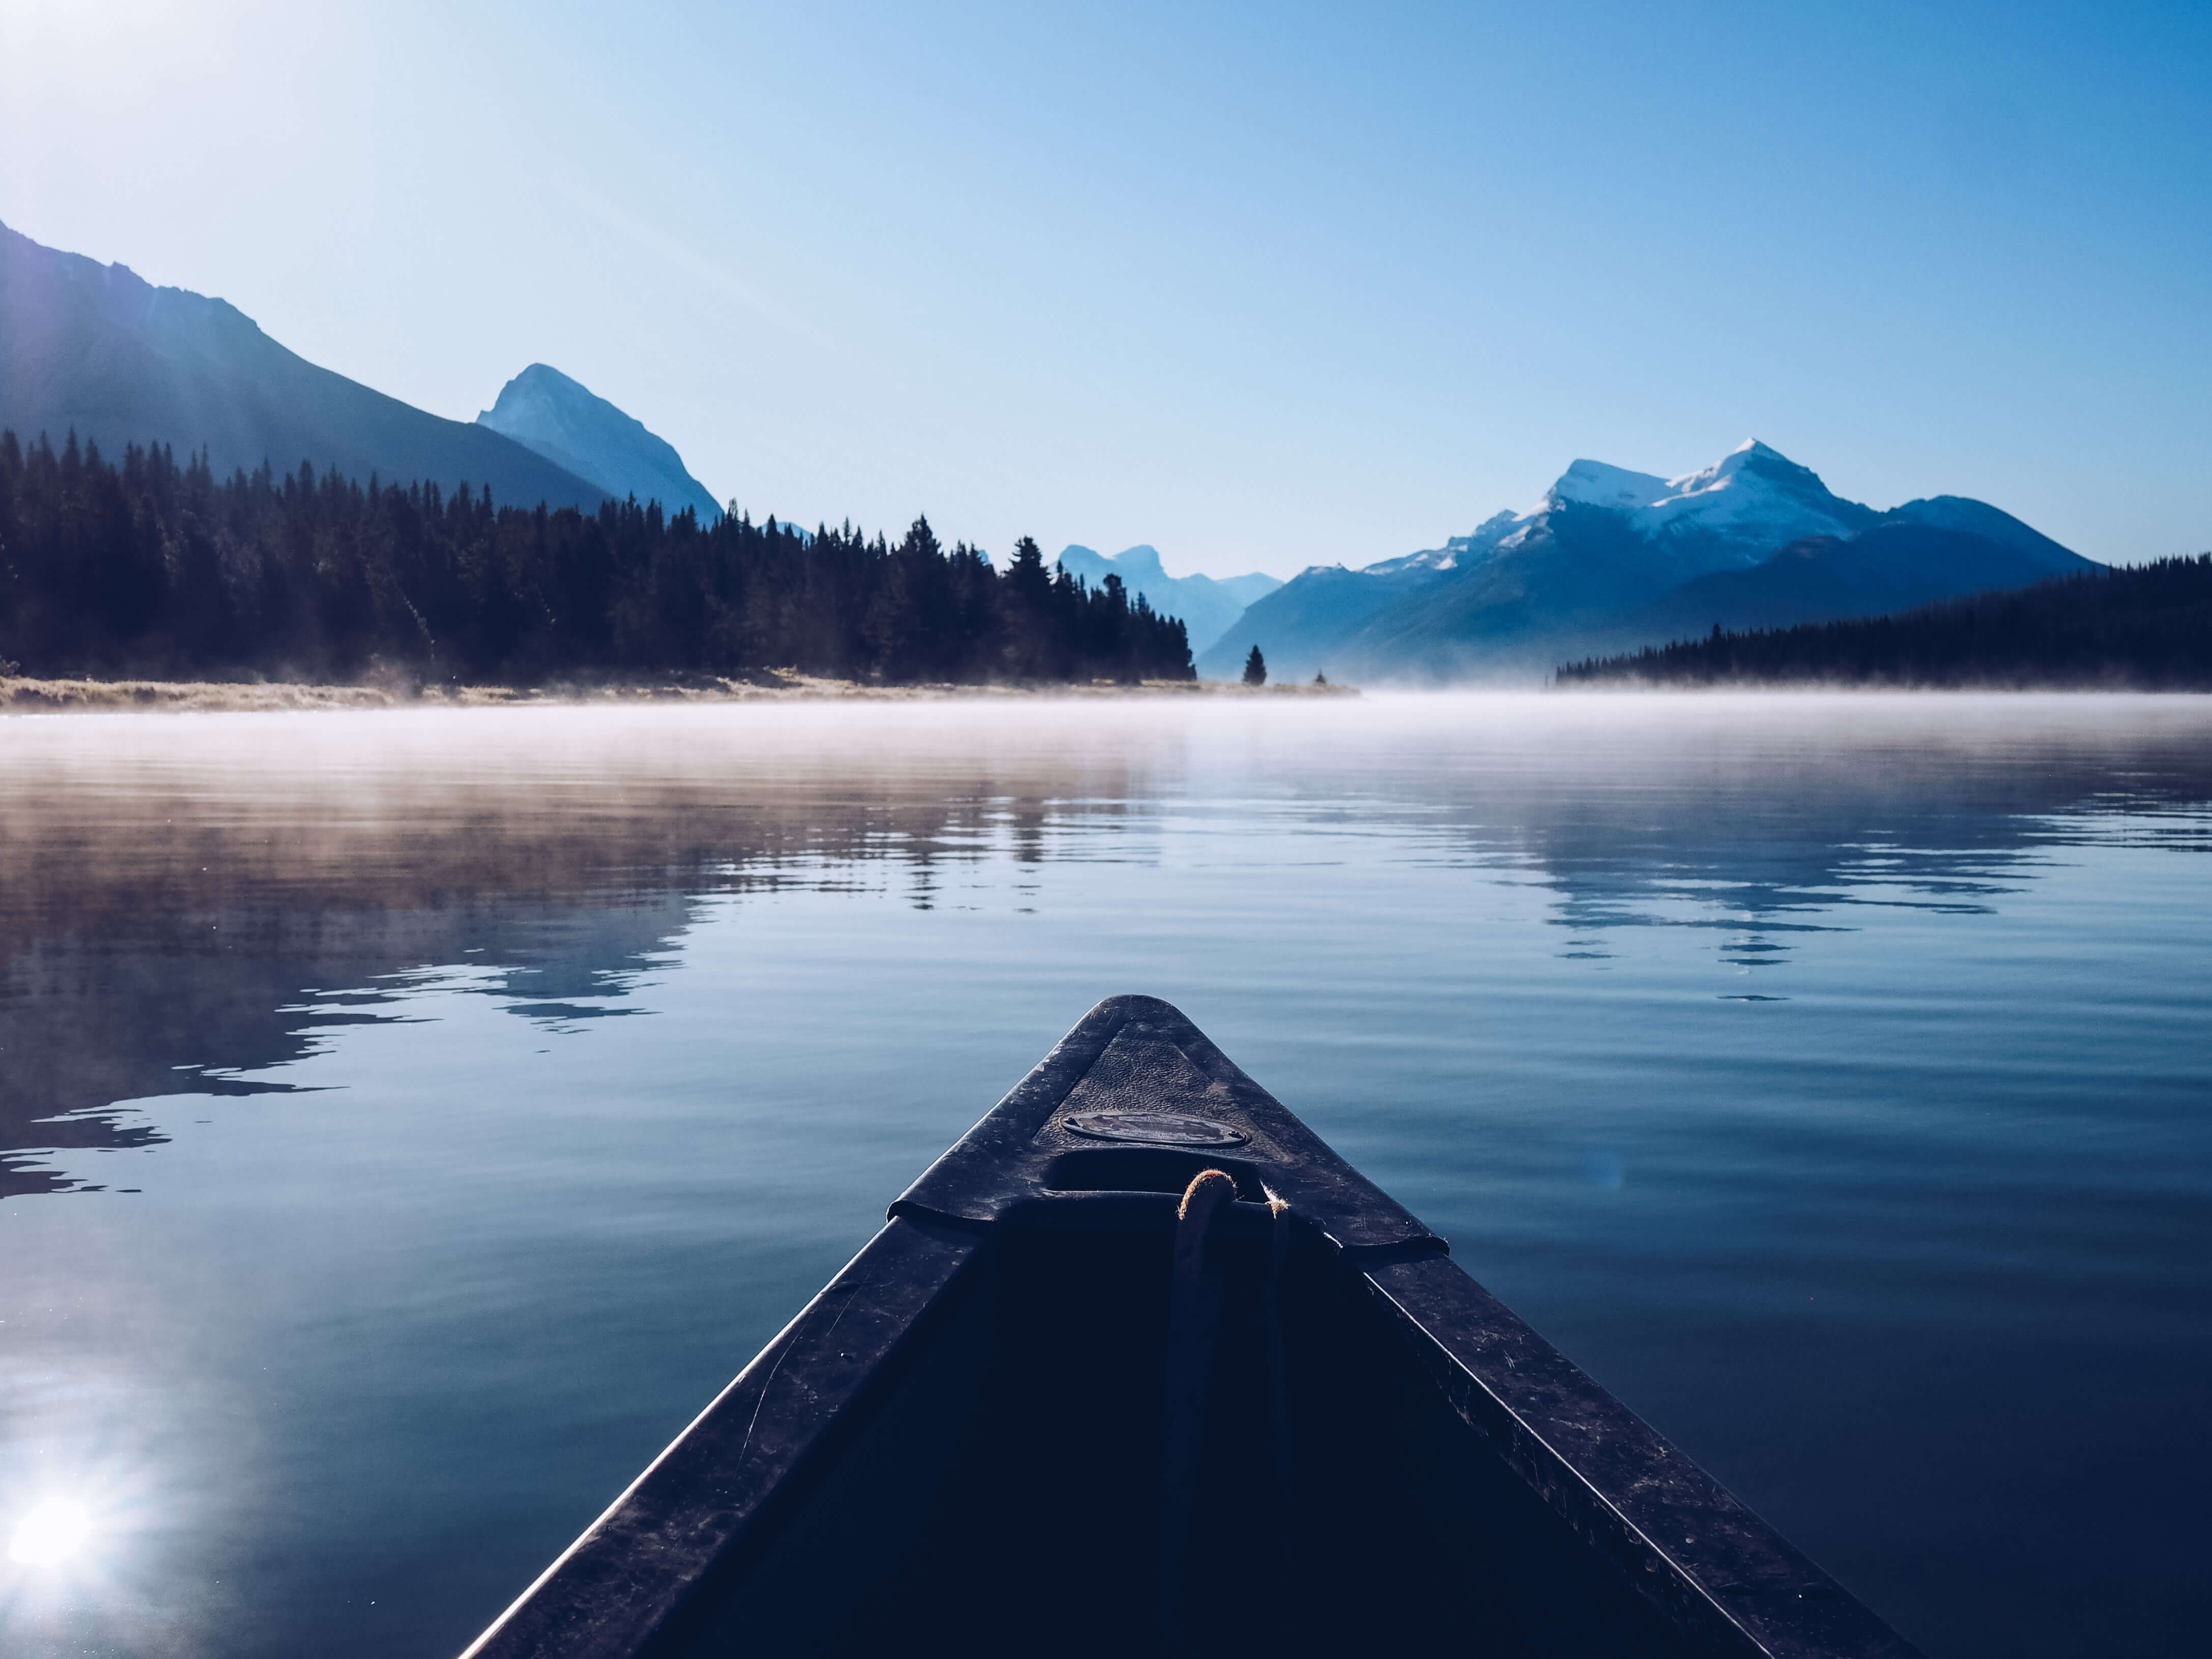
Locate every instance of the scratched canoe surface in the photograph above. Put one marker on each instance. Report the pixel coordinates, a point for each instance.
(407, 1121)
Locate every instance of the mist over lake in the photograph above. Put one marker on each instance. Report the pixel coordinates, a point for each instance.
(410, 1120)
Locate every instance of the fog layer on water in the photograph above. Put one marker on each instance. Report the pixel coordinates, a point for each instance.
(407, 1120)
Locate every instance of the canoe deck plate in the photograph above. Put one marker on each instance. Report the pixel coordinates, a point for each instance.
(1153, 1128)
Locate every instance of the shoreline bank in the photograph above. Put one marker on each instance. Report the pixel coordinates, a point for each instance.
(26, 694)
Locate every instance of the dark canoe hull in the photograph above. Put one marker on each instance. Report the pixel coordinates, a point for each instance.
(957, 1443)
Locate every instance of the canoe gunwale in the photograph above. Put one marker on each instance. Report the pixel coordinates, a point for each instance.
(1732, 1581)
(633, 1581)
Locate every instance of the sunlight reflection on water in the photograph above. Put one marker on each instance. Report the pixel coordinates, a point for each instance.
(54, 1531)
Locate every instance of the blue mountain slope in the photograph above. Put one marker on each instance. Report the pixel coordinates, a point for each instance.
(1303, 625)
(545, 410)
(96, 349)
(1895, 566)
(1612, 559)
(1979, 519)
(1206, 605)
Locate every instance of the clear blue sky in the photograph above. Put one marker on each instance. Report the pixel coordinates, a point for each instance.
(1264, 285)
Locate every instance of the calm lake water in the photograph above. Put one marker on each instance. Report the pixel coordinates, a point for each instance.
(408, 1121)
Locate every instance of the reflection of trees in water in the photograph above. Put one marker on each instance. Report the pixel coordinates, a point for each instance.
(160, 937)
(167, 921)
(1762, 857)
(177, 1001)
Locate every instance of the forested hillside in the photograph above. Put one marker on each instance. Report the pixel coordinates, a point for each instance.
(98, 350)
(2144, 628)
(148, 567)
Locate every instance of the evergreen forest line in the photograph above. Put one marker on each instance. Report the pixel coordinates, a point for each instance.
(2145, 627)
(144, 567)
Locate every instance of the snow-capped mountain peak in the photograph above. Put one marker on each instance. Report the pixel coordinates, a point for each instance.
(1488, 534)
(1753, 496)
(1595, 483)
(1753, 499)
(1747, 480)
(1428, 558)
(1613, 558)
(1458, 551)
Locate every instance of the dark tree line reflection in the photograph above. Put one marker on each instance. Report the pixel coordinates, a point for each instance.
(181, 905)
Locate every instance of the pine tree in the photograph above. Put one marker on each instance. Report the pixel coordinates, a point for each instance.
(1255, 668)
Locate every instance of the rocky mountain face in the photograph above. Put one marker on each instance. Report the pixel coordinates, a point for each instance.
(1208, 606)
(546, 411)
(97, 350)
(1611, 560)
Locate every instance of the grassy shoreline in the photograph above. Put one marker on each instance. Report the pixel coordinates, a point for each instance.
(23, 695)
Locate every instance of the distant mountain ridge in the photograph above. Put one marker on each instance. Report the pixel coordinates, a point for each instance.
(545, 411)
(1611, 560)
(97, 350)
(1208, 606)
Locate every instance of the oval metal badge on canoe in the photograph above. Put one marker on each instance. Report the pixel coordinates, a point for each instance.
(1155, 1128)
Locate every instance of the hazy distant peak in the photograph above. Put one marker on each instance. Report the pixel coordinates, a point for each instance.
(542, 384)
(549, 405)
(1142, 560)
(1207, 605)
(567, 423)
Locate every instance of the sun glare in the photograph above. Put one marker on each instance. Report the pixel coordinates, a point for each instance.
(55, 1531)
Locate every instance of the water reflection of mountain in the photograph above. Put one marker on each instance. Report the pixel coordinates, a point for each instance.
(125, 982)
(1764, 849)
(179, 1001)
(185, 902)
(168, 922)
